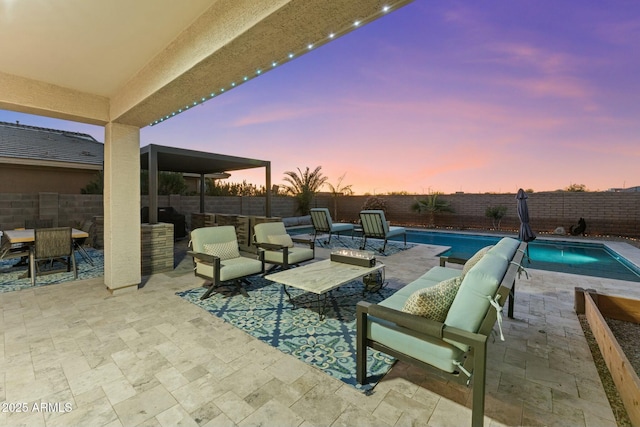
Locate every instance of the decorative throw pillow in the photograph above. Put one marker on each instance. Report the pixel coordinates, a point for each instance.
(223, 251)
(281, 239)
(433, 302)
(474, 259)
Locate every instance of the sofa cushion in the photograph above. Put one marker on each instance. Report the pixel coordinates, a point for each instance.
(281, 239)
(505, 248)
(474, 259)
(227, 250)
(231, 268)
(433, 302)
(472, 300)
(295, 255)
(430, 350)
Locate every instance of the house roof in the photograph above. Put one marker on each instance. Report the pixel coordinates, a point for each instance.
(22, 144)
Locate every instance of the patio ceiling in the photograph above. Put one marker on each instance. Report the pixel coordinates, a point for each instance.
(138, 62)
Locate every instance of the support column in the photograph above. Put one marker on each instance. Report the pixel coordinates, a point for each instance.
(122, 207)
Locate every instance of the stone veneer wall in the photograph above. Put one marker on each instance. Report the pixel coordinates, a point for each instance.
(157, 248)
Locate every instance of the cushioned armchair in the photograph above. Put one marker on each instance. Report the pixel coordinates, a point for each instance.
(272, 240)
(375, 225)
(322, 223)
(217, 259)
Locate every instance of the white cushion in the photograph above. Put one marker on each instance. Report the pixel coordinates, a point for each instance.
(281, 239)
(227, 250)
(433, 302)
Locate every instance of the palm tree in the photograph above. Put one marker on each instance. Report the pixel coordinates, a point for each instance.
(431, 205)
(303, 186)
(338, 190)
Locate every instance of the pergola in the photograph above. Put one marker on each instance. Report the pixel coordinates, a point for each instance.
(156, 158)
(127, 64)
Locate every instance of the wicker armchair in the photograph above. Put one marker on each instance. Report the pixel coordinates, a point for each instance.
(52, 244)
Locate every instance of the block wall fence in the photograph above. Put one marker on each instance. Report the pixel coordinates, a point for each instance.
(606, 213)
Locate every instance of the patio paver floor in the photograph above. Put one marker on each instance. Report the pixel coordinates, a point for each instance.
(149, 358)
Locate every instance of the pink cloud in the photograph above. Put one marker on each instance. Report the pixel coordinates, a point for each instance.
(527, 55)
(273, 115)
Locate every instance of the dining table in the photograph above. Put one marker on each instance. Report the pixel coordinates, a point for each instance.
(23, 237)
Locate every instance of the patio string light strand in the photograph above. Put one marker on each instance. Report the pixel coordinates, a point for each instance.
(291, 55)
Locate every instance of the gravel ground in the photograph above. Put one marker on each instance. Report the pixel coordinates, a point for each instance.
(626, 336)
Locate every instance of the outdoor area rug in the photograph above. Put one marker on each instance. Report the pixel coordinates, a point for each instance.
(328, 345)
(15, 278)
(374, 245)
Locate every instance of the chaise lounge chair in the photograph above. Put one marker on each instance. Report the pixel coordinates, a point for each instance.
(375, 225)
(217, 259)
(276, 245)
(322, 223)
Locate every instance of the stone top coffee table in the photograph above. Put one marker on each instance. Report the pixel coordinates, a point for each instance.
(320, 278)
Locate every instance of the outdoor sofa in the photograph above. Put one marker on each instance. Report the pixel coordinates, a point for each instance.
(443, 319)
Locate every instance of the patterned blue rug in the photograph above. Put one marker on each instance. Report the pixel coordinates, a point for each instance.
(328, 345)
(374, 245)
(14, 278)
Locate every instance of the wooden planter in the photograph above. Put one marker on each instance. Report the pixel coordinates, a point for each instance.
(596, 307)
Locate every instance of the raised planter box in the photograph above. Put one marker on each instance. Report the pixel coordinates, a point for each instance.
(596, 307)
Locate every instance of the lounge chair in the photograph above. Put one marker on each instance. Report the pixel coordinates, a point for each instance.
(322, 223)
(375, 225)
(217, 259)
(272, 240)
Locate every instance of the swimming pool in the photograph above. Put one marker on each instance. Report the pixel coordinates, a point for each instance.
(588, 259)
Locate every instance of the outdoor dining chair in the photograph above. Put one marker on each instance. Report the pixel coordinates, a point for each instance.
(52, 245)
(88, 227)
(322, 223)
(38, 223)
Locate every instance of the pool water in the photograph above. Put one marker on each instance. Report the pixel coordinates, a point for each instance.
(588, 259)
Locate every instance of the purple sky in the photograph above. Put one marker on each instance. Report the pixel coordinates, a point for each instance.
(485, 96)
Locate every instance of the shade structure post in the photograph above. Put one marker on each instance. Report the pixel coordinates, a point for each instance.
(153, 187)
(202, 191)
(267, 207)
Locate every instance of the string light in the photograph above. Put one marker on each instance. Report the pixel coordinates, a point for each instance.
(292, 54)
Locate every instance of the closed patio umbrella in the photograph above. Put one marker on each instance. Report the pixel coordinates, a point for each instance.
(525, 233)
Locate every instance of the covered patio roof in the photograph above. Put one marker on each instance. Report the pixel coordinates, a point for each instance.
(155, 158)
(125, 65)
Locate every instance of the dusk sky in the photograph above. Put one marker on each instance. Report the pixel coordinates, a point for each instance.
(472, 96)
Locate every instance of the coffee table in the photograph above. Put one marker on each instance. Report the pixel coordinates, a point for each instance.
(321, 278)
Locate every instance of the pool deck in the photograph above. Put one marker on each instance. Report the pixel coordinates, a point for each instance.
(150, 358)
